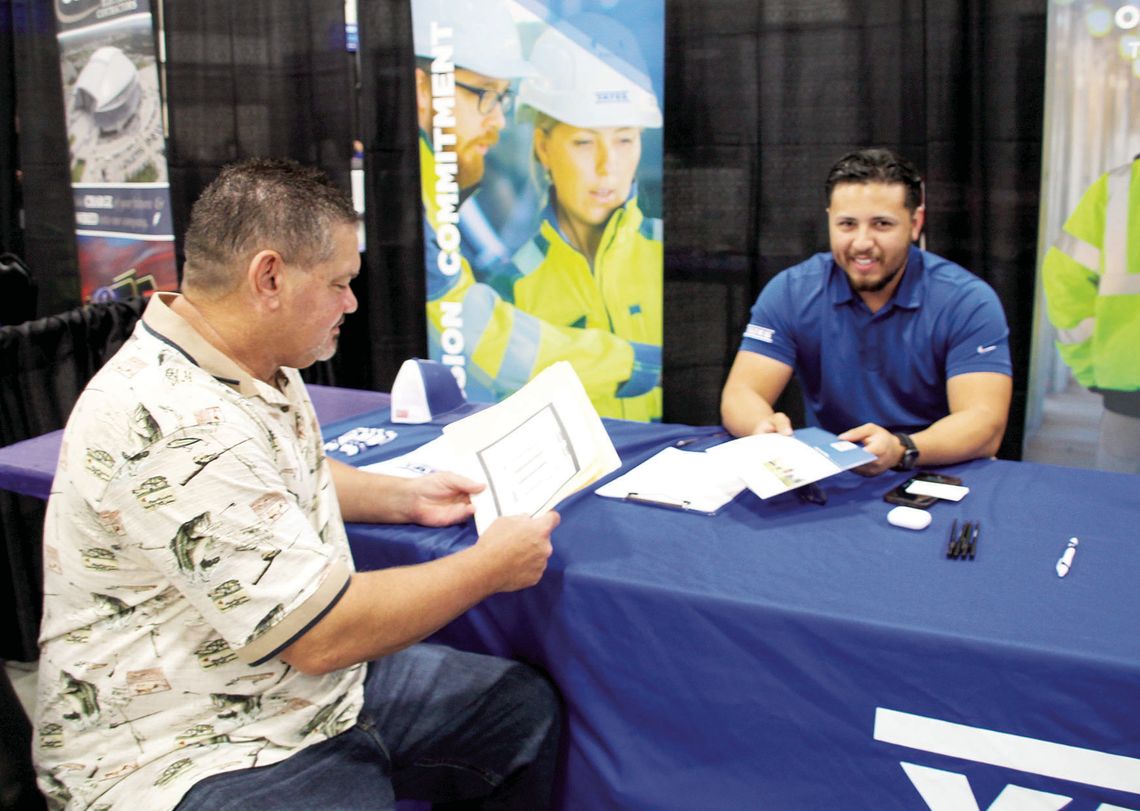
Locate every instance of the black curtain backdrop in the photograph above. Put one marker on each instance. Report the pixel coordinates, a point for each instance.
(11, 235)
(44, 365)
(258, 78)
(45, 190)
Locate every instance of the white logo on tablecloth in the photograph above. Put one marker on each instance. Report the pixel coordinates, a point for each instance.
(358, 440)
(949, 791)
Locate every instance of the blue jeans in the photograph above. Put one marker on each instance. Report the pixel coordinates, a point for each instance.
(461, 730)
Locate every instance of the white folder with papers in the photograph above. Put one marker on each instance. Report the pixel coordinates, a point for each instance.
(692, 481)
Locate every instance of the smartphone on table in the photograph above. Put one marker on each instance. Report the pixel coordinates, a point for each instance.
(900, 494)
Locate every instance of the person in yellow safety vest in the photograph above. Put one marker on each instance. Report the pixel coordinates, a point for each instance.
(466, 55)
(1092, 289)
(596, 260)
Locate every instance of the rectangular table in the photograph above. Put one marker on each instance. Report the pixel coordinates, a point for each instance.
(28, 467)
(793, 656)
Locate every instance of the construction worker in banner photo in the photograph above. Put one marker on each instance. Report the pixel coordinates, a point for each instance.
(1092, 289)
(467, 54)
(596, 260)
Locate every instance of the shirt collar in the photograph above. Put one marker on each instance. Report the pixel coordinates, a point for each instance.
(174, 330)
(907, 295)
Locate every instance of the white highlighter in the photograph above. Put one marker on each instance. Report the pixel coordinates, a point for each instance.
(1066, 561)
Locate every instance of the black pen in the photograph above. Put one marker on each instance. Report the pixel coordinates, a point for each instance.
(963, 540)
(953, 537)
(668, 504)
(811, 494)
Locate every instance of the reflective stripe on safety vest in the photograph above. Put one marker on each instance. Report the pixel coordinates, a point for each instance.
(1088, 255)
(1114, 278)
(1091, 277)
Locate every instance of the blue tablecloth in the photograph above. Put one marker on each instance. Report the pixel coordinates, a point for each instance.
(27, 467)
(793, 656)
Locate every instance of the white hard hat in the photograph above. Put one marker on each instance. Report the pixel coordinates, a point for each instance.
(483, 35)
(593, 76)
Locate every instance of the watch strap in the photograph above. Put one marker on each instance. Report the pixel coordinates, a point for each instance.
(910, 452)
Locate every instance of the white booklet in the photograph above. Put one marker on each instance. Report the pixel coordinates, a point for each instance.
(771, 464)
(532, 450)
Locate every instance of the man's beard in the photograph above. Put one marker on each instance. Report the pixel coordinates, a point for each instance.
(874, 285)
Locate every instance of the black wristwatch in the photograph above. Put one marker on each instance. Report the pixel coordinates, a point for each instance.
(910, 452)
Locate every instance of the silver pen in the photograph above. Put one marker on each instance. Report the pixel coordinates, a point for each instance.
(1066, 561)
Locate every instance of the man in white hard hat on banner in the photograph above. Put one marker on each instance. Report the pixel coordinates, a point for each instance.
(467, 54)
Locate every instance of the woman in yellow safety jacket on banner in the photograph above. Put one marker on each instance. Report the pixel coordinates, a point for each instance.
(596, 261)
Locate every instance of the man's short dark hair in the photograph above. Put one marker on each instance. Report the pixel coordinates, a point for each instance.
(258, 204)
(877, 166)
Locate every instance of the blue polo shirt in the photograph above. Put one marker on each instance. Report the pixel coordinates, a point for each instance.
(889, 367)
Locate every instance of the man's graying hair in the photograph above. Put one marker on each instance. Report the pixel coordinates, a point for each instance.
(877, 166)
(261, 204)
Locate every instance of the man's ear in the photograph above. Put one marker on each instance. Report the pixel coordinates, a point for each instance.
(265, 276)
(917, 221)
(541, 148)
(423, 98)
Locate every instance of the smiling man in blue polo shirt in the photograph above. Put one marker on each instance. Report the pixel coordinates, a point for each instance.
(895, 348)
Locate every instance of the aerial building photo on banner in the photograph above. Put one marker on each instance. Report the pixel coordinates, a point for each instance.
(113, 108)
(540, 165)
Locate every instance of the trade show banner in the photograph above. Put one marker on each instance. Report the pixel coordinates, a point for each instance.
(1089, 242)
(113, 108)
(540, 166)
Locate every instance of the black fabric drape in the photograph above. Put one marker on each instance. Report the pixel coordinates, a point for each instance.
(44, 365)
(261, 78)
(45, 190)
(258, 78)
(18, 790)
(11, 234)
(391, 288)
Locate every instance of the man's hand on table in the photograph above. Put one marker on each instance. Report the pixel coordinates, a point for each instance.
(879, 441)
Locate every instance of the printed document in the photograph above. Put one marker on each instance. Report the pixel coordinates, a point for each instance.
(771, 464)
(532, 450)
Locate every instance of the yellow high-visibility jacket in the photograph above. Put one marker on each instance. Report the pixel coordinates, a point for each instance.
(621, 293)
(1092, 283)
(494, 347)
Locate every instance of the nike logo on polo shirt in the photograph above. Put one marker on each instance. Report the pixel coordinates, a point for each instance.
(984, 349)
